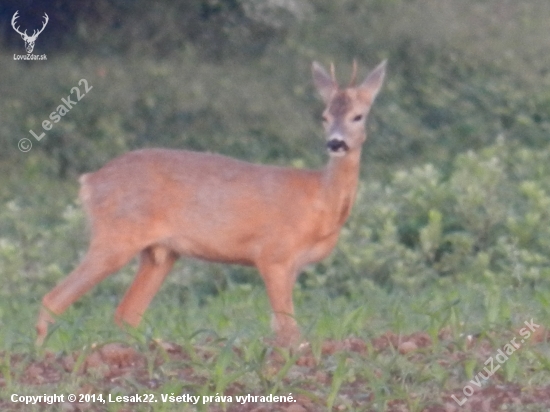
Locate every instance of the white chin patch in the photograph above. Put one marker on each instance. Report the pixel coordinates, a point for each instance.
(337, 153)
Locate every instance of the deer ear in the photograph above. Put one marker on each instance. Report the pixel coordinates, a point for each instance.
(373, 83)
(324, 83)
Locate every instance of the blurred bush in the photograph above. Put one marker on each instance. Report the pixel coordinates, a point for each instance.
(489, 218)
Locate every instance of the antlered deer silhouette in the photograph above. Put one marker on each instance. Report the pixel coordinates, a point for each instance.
(162, 204)
(29, 40)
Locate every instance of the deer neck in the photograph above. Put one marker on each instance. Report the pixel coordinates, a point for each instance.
(340, 178)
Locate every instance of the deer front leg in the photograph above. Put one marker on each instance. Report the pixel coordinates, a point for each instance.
(279, 282)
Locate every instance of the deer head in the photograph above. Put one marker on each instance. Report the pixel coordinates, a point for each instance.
(29, 40)
(346, 109)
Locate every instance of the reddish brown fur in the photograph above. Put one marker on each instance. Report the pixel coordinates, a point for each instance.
(162, 204)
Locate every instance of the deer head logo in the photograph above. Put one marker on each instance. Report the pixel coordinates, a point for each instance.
(29, 40)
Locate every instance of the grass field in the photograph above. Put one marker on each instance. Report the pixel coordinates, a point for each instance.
(375, 350)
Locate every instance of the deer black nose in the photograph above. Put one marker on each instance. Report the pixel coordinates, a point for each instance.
(336, 145)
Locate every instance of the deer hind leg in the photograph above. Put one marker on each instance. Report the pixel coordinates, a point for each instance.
(279, 282)
(155, 263)
(100, 261)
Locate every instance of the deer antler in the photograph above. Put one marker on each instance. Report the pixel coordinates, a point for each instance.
(14, 18)
(333, 73)
(353, 73)
(35, 33)
(46, 19)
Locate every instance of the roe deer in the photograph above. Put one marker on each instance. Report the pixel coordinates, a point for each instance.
(165, 203)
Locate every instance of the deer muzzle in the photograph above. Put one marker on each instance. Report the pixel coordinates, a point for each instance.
(337, 146)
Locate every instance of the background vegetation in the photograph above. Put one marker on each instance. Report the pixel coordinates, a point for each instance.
(451, 228)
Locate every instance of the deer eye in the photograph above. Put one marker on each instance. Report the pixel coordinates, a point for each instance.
(358, 118)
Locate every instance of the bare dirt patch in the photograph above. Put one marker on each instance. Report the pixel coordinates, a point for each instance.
(103, 368)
